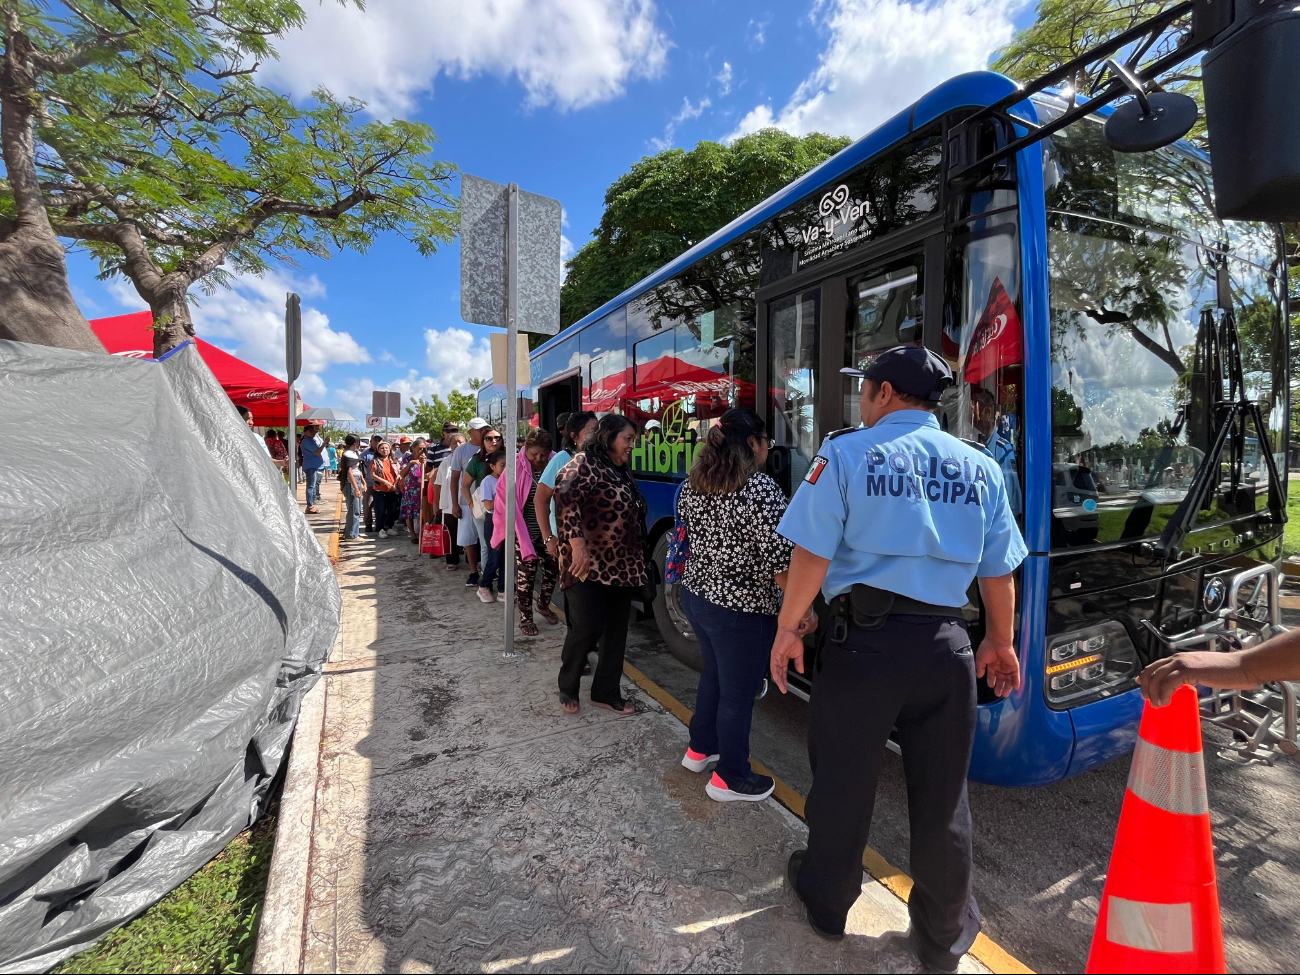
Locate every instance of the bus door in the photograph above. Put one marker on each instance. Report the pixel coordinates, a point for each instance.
(793, 346)
(843, 319)
(884, 306)
(559, 396)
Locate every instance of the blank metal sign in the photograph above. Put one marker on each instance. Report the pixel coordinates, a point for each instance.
(483, 209)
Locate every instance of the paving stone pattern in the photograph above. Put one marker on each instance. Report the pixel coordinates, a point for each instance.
(464, 823)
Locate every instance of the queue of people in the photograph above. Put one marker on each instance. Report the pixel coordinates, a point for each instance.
(894, 568)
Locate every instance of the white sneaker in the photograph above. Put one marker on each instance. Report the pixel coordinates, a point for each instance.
(383, 533)
(486, 596)
(696, 761)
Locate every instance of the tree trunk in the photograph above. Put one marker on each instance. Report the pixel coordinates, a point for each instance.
(170, 305)
(36, 303)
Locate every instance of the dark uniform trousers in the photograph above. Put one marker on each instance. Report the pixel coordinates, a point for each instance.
(916, 673)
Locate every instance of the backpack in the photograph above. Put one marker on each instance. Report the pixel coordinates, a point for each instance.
(679, 545)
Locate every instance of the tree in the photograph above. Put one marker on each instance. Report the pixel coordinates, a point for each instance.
(136, 128)
(428, 415)
(667, 203)
(1065, 29)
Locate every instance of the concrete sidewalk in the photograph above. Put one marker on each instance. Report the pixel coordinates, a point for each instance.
(442, 813)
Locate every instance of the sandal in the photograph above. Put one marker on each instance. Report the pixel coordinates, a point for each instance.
(548, 614)
(570, 704)
(528, 628)
(621, 706)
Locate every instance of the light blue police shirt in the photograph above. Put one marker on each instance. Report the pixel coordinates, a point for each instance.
(906, 507)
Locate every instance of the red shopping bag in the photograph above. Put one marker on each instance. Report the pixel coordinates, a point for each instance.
(434, 540)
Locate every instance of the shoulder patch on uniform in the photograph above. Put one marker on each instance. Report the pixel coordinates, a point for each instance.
(815, 469)
(841, 432)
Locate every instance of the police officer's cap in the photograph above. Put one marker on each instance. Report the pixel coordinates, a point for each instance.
(910, 369)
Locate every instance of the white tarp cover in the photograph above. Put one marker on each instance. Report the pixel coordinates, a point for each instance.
(165, 608)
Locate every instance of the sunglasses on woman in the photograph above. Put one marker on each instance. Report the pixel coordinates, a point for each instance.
(490, 438)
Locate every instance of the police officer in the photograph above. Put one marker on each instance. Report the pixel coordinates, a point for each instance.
(892, 522)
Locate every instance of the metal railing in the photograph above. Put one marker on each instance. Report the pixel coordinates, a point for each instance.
(1263, 721)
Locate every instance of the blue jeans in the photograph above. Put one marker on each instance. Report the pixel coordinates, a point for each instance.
(352, 507)
(313, 484)
(737, 647)
(491, 571)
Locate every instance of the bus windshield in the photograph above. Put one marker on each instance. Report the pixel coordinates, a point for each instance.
(1134, 259)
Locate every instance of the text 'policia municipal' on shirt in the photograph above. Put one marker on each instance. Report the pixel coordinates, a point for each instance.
(905, 507)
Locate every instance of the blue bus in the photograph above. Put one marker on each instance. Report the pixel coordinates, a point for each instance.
(1075, 291)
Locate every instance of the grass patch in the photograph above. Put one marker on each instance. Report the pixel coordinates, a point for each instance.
(206, 925)
(1291, 538)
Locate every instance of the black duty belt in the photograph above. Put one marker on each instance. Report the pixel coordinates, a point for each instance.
(868, 607)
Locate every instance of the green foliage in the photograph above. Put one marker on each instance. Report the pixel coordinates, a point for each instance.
(208, 924)
(669, 202)
(428, 415)
(159, 151)
(1065, 29)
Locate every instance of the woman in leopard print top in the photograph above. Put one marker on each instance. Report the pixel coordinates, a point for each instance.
(601, 520)
(731, 592)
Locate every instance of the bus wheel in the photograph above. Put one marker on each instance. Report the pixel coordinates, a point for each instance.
(671, 618)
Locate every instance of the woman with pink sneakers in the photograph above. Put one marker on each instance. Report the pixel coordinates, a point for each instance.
(731, 591)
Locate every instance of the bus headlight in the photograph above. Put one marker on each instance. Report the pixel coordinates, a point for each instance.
(1084, 665)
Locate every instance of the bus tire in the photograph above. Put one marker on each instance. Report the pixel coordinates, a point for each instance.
(674, 627)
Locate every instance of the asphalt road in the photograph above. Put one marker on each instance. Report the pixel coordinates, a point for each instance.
(1041, 854)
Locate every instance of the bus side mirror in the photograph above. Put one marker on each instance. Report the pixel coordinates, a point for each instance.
(1252, 109)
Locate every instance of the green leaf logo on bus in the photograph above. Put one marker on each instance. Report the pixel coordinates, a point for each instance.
(668, 447)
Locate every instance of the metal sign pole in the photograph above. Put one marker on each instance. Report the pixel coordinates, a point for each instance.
(512, 404)
(291, 447)
(292, 367)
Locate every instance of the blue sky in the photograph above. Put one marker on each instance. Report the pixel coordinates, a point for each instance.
(561, 96)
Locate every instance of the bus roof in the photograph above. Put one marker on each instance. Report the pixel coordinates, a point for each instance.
(971, 89)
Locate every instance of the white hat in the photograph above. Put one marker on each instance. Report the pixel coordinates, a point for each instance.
(478, 423)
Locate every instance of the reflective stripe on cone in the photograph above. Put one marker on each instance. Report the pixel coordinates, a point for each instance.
(1150, 927)
(1170, 780)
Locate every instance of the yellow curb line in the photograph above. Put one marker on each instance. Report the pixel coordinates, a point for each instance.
(984, 950)
(332, 550)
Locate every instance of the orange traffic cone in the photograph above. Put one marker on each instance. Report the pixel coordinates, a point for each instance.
(1160, 908)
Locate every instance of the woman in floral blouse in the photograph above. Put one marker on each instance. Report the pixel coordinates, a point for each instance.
(601, 521)
(731, 591)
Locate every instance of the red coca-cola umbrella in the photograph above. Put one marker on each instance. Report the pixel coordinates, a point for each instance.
(669, 378)
(266, 396)
(997, 340)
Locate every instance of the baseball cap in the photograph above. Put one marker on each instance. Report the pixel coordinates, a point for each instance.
(451, 426)
(910, 369)
(478, 423)
(404, 439)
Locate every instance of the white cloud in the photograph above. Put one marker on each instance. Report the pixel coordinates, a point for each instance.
(566, 252)
(688, 111)
(453, 356)
(758, 32)
(883, 55)
(569, 53)
(124, 293)
(723, 78)
(247, 320)
(566, 245)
